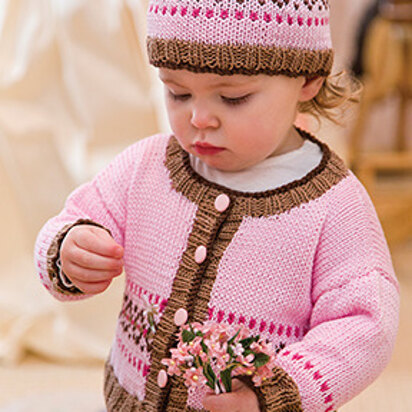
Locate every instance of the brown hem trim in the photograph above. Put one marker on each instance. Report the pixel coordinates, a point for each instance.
(116, 397)
(330, 171)
(231, 59)
(279, 394)
(53, 255)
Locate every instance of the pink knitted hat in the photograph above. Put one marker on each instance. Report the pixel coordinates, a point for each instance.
(289, 37)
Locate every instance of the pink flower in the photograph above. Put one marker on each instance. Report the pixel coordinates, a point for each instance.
(194, 377)
(238, 349)
(172, 367)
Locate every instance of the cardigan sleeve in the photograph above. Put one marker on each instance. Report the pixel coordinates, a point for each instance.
(354, 319)
(101, 202)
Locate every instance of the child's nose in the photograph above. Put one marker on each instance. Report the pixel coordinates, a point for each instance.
(203, 118)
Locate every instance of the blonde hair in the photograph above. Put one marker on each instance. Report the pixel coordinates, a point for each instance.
(338, 93)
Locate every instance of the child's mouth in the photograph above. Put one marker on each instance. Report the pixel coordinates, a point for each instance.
(206, 148)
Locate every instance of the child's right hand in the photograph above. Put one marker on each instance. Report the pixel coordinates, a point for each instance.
(90, 258)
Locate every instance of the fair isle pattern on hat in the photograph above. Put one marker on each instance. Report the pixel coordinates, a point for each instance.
(290, 37)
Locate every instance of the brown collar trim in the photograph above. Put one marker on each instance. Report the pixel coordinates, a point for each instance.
(330, 171)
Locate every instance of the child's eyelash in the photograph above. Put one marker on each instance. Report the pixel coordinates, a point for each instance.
(232, 101)
(179, 97)
(236, 100)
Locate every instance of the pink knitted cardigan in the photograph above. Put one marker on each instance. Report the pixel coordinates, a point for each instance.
(305, 265)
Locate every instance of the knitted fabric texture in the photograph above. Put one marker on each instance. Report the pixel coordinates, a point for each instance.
(290, 37)
(305, 265)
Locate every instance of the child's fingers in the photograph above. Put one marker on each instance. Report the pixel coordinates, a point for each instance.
(220, 403)
(92, 288)
(77, 273)
(96, 240)
(89, 260)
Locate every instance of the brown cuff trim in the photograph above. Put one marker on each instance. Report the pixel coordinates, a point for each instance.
(279, 394)
(53, 255)
(230, 59)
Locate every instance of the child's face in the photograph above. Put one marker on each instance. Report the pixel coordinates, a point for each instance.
(232, 122)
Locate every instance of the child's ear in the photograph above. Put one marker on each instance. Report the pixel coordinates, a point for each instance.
(310, 88)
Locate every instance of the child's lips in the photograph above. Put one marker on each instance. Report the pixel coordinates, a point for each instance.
(206, 148)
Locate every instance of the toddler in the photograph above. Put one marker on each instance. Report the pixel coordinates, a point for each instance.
(236, 217)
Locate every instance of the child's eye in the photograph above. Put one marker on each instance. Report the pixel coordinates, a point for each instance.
(179, 97)
(233, 101)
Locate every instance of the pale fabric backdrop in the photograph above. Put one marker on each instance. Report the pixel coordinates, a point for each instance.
(75, 88)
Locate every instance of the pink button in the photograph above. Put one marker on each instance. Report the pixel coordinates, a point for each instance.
(180, 317)
(222, 202)
(200, 254)
(162, 378)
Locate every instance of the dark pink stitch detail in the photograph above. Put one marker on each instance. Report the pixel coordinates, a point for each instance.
(230, 318)
(290, 20)
(288, 331)
(297, 331)
(296, 356)
(209, 14)
(220, 315)
(310, 21)
(328, 398)
(173, 11)
(151, 8)
(262, 326)
(317, 375)
(280, 330)
(267, 17)
(210, 311)
(239, 15)
(252, 323)
(156, 9)
(183, 11)
(308, 365)
(157, 299)
(151, 297)
(224, 14)
(286, 353)
(164, 10)
(145, 370)
(272, 328)
(322, 21)
(316, 21)
(195, 12)
(324, 387)
(253, 16)
(300, 21)
(139, 364)
(163, 304)
(279, 18)
(242, 319)
(330, 409)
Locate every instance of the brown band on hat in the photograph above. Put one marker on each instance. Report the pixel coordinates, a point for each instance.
(225, 59)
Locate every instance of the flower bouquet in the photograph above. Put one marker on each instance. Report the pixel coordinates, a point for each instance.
(212, 354)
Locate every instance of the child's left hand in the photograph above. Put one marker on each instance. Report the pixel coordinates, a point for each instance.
(241, 399)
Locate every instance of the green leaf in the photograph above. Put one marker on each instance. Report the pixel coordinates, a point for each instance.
(226, 377)
(187, 336)
(232, 339)
(226, 380)
(260, 359)
(204, 347)
(247, 342)
(209, 375)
